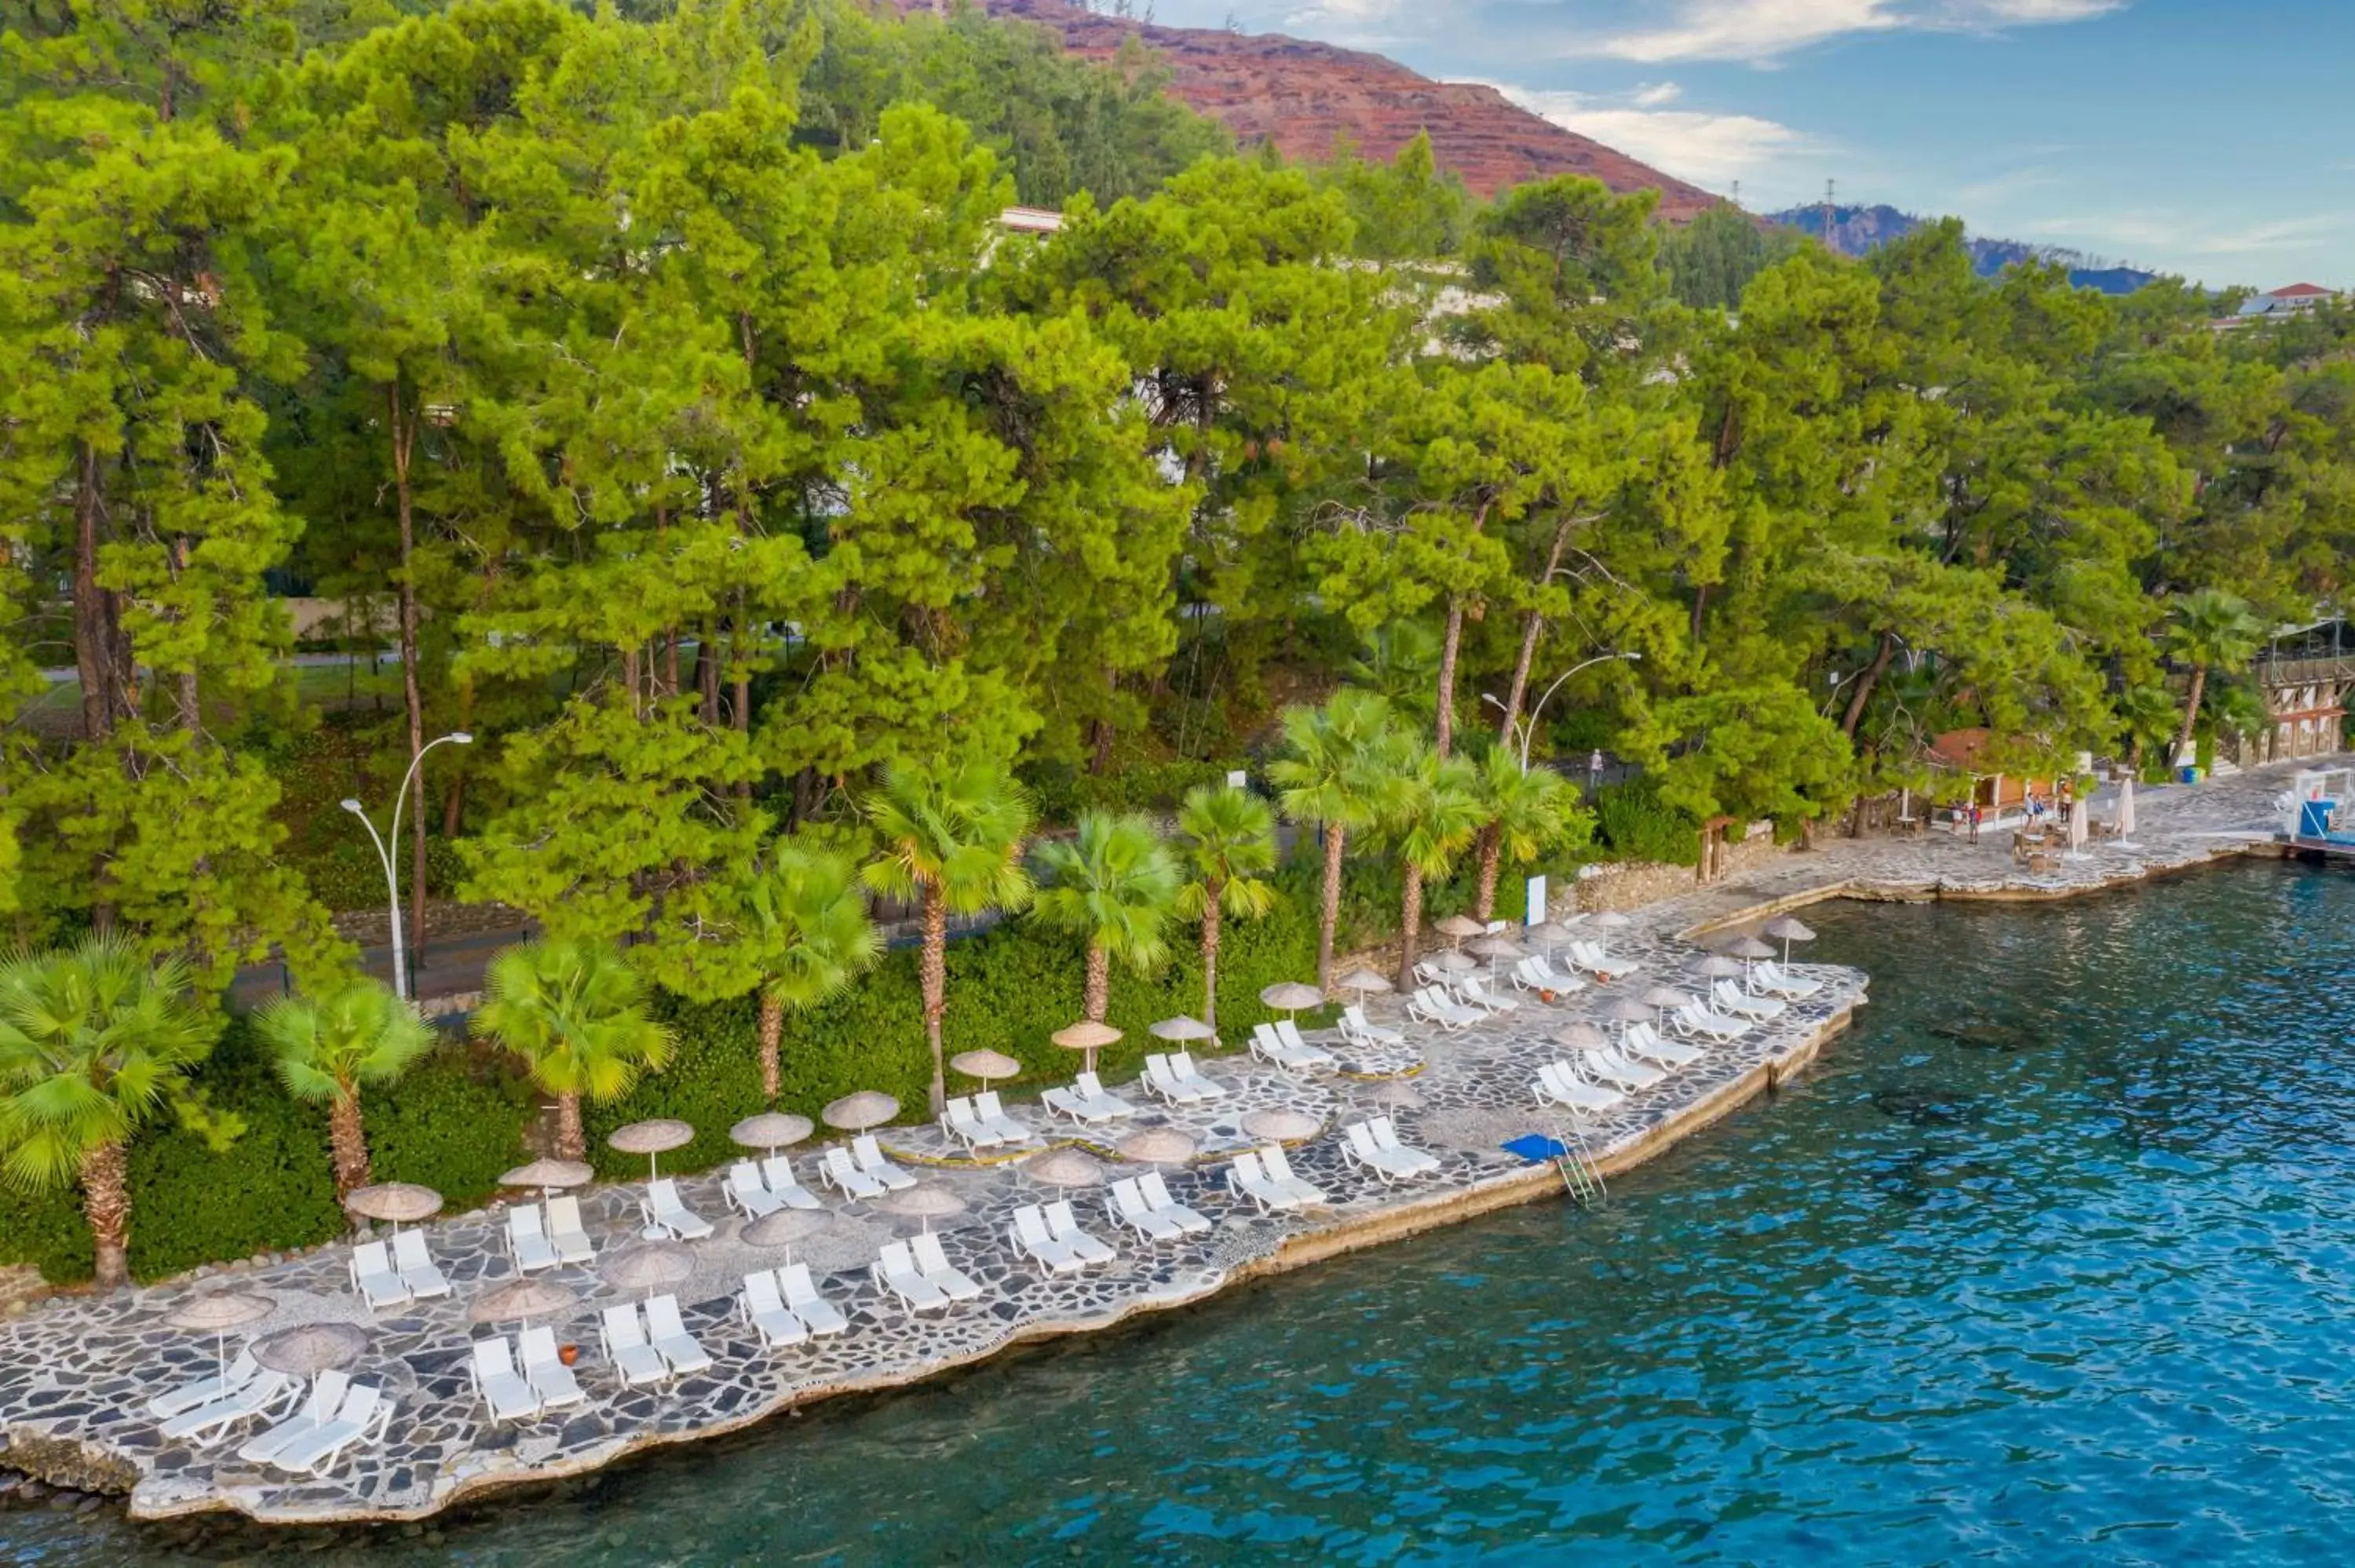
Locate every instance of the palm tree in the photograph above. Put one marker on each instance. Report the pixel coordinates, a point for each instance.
(952, 837)
(2212, 631)
(1526, 813)
(576, 1012)
(1331, 780)
(809, 933)
(327, 1047)
(1434, 814)
(92, 1040)
(1226, 837)
(1114, 884)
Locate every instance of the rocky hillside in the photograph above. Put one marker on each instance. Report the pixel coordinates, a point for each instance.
(1307, 96)
(1861, 230)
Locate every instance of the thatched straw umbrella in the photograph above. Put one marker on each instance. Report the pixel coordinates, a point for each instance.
(1086, 1035)
(551, 1175)
(926, 1201)
(985, 1065)
(857, 1112)
(1156, 1146)
(648, 1266)
(1063, 1168)
(1279, 1125)
(217, 1312)
(652, 1139)
(1789, 928)
(309, 1349)
(771, 1131)
(401, 1202)
(522, 1299)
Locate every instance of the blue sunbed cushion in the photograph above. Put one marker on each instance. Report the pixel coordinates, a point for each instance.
(1536, 1147)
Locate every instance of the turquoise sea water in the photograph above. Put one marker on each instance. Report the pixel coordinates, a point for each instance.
(2048, 1262)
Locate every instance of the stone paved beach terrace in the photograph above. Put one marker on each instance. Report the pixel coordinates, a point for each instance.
(80, 1369)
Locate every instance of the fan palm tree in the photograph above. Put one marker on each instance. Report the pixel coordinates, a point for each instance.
(807, 926)
(576, 1012)
(1332, 777)
(1435, 812)
(1226, 837)
(93, 1039)
(2148, 711)
(1114, 884)
(2212, 630)
(952, 837)
(327, 1047)
(1527, 812)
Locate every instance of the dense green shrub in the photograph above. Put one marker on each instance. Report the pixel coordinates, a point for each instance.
(274, 1187)
(1633, 823)
(1008, 990)
(1061, 792)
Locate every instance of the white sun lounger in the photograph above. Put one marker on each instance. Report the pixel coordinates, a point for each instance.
(1590, 958)
(365, 1413)
(1156, 1194)
(1432, 974)
(1181, 1064)
(1163, 1080)
(1030, 1235)
(204, 1391)
(1385, 1133)
(327, 1391)
(544, 1369)
(627, 1347)
(1278, 1166)
(670, 1339)
(1536, 974)
(1308, 1056)
(1355, 1029)
(1559, 1084)
(935, 1266)
(959, 1121)
(663, 1209)
(868, 1155)
(747, 1193)
(764, 1309)
(504, 1393)
(1092, 1089)
(375, 1278)
(818, 1315)
(528, 1241)
(1129, 1208)
(417, 1273)
(1073, 1104)
(1698, 1019)
(777, 1174)
(1476, 994)
(1608, 1064)
(1773, 977)
(1433, 1006)
(895, 1270)
(566, 1233)
(1249, 1179)
(835, 1169)
(1645, 1045)
(264, 1394)
(1360, 1150)
(1065, 1224)
(1731, 998)
(1010, 1128)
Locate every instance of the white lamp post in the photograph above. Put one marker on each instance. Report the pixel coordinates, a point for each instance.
(384, 853)
(1528, 726)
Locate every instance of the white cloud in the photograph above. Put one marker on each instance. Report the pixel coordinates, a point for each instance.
(1709, 149)
(1762, 31)
(1656, 94)
(2180, 234)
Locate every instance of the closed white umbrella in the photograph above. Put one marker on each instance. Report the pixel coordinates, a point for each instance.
(2077, 834)
(2126, 807)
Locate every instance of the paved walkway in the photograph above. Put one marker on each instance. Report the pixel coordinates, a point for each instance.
(78, 1370)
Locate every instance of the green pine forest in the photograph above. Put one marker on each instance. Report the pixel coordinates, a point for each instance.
(659, 398)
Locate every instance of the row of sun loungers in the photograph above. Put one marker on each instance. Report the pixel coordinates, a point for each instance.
(1374, 1145)
(1142, 1205)
(1050, 1235)
(1283, 1045)
(338, 1414)
(654, 1348)
(981, 1122)
(1176, 1079)
(919, 1273)
(519, 1389)
(1264, 1176)
(782, 1305)
(398, 1275)
(544, 1237)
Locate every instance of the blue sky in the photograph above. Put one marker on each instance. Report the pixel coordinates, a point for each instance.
(2213, 138)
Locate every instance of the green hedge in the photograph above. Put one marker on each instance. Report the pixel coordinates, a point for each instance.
(1008, 991)
(448, 1125)
(1633, 823)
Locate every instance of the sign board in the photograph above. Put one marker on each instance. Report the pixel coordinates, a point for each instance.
(1238, 779)
(1537, 900)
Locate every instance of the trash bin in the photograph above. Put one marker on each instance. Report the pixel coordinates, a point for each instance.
(2187, 775)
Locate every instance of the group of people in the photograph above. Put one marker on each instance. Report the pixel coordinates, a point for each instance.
(2056, 808)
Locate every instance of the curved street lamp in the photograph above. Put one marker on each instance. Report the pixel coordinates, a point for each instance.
(1528, 726)
(384, 853)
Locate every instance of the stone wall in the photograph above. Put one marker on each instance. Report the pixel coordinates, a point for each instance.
(1631, 883)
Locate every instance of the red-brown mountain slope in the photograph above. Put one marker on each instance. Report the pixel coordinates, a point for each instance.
(1306, 95)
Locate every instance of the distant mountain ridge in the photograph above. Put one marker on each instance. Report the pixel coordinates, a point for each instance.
(1304, 97)
(1861, 231)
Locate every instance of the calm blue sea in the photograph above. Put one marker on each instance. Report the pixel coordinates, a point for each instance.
(2048, 1262)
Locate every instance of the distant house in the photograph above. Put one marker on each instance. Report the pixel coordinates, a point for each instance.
(1960, 752)
(2281, 304)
